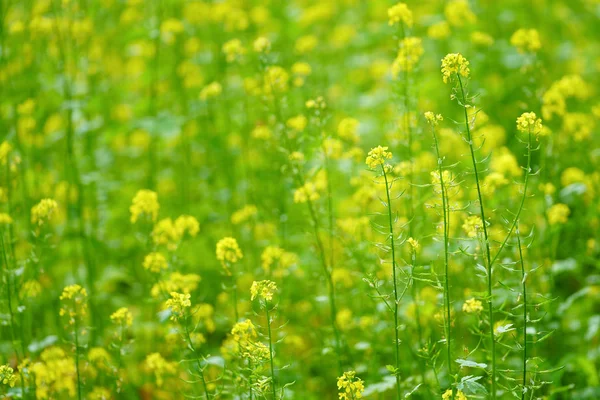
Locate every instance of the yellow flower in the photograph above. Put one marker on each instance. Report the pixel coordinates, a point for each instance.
(348, 129)
(459, 395)
(377, 156)
(145, 202)
(244, 214)
(529, 122)
(472, 226)
(5, 219)
(74, 304)
(211, 90)
(228, 251)
(263, 289)
(411, 50)
(156, 364)
(155, 262)
(349, 386)
(414, 244)
(178, 304)
(187, 224)
(526, 40)
(558, 214)
(472, 306)
(122, 317)
(5, 149)
(454, 64)
(433, 119)
(262, 45)
(276, 80)
(458, 13)
(233, 50)
(400, 13)
(42, 211)
(7, 376)
(318, 103)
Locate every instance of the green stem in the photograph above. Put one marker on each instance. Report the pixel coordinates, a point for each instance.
(196, 357)
(271, 352)
(391, 226)
(76, 334)
(524, 288)
(486, 239)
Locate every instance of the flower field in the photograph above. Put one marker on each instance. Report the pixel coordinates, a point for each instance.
(334, 199)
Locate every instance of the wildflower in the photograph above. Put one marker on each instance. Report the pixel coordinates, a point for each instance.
(5, 149)
(176, 282)
(459, 395)
(160, 367)
(472, 226)
(411, 50)
(300, 70)
(526, 40)
(263, 290)
(400, 13)
(348, 129)
(454, 64)
(414, 244)
(529, 122)
(262, 45)
(482, 39)
(306, 193)
(318, 103)
(276, 80)
(244, 331)
(74, 305)
(377, 156)
(244, 214)
(296, 156)
(30, 289)
(273, 256)
(100, 393)
(122, 317)
(306, 44)
(233, 50)
(440, 30)
(187, 224)
(178, 304)
(211, 90)
(472, 306)
(99, 357)
(155, 262)
(558, 214)
(349, 386)
(165, 233)
(5, 219)
(7, 376)
(458, 13)
(297, 123)
(343, 318)
(42, 211)
(433, 119)
(228, 251)
(145, 202)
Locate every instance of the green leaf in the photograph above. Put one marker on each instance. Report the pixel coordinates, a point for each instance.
(471, 364)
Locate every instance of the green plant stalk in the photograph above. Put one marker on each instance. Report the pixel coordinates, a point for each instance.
(391, 232)
(76, 334)
(271, 352)
(486, 239)
(524, 288)
(197, 359)
(445, 210)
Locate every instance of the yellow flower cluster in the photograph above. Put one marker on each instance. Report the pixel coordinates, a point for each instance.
(306, 193)
(458, 13)
(211, 90)
(472, 306)
(42, 211)
(176, 282)
(7, 376)
(54, 375)
(458, 396)
(169, 233)
(233, 50)
(155, 262)
(74, 303)
(526, 40)
(160, 367)
(433, 119)
(276, 80)
(414, 244)
(377, 156)
(558, 214)
(348, 129)
(529, 122)
(178, 304)
(262, 45)
(122, 317)
(145, 203)
(263, 290)
(5, 149)
(5, 219)
(275, 258)
(409, 54)
(350, 387)
(400, 14)
(454, 64)
(472, 225)
(228, 252)
(244, 214)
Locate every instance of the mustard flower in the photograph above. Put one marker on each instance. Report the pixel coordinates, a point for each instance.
(400, 14)
(454, 64)
(7, 376)
(472, 225)
(186, 224)
(244, 214)
(348, 129)
(42, 211)
(228, 252)
(5, 219)
(263, 290)
(122, 317)
(262, 45)
(458, 13)
(155, 262)
(414, 244)
(145, 203)
(558, 214)
(74, 303)
(459, 395)
(5, 149)
(529, 122)
(409, 54)
(178, 304)
(160, 367)
(211, 90)
(233, 50)
(526, 40)
(350, 387)
(306, 193)
(472, 306)
(377, 156)
(433, 119)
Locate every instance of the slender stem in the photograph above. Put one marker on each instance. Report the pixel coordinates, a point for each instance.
(486, 239)
(76, 333)
(197, 358)
(445, 210)
(271, 352)
(391, 226)
(524, 288)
